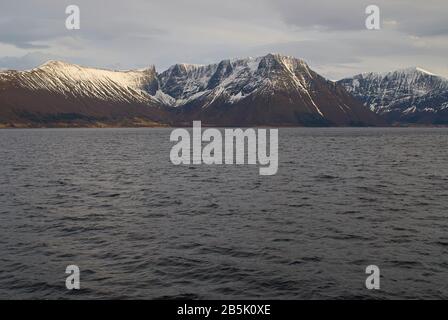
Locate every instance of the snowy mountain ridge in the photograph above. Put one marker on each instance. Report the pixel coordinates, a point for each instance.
(176, 86)
(406, 95)
(73, 80)
(271, 89)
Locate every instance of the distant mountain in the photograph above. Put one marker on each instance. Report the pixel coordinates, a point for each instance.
(269, 90)
(62, 94)
(410, 95)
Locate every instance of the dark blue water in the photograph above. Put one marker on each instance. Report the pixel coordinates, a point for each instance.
(111, 202)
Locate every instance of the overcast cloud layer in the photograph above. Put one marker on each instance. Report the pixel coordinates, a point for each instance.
(330, 35)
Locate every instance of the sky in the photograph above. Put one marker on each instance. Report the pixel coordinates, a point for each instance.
(330, 35)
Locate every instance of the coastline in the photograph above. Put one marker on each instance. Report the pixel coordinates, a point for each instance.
(103, 125)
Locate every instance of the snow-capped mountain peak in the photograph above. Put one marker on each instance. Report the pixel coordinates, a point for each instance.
(75, 80)
(233, 79)
(402, 94)
(54, 64)
(424, 71)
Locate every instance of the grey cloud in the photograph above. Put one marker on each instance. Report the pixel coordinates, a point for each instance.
(26, 23)
(330, 35)
(321, 14)
(416, 17)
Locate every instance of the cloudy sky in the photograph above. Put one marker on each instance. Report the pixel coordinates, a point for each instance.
(330, 35)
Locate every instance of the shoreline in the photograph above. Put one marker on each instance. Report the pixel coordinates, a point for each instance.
(158, 126)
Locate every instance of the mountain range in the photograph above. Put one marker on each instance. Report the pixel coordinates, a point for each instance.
(272, 90)
(411, 95)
